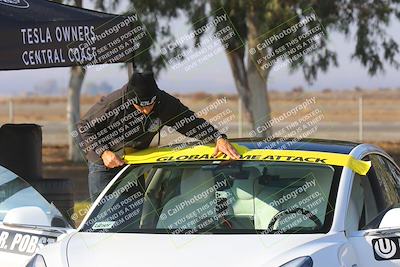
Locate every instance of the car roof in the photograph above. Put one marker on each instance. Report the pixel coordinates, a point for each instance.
(306, 144)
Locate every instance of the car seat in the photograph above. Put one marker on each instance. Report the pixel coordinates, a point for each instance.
(185, 210)
(240, 199)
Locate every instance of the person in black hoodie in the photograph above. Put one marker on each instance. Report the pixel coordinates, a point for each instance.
(128, 119)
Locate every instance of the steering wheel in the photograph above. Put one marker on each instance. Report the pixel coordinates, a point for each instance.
(305, 212)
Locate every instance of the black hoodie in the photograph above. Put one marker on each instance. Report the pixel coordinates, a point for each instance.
(114, 124)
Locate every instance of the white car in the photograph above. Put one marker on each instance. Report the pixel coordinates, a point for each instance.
(288, 204)
(27, 221)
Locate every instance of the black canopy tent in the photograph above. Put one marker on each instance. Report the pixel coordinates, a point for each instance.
(41, 34)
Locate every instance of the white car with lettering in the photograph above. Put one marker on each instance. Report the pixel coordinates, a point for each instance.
(315, 203)
(27, 221)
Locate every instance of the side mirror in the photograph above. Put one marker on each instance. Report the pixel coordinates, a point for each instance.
(391, 219)
(29, 216)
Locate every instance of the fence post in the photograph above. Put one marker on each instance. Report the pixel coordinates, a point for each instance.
(130, 69)
(360, 118)
(10, 111)
(240, 114)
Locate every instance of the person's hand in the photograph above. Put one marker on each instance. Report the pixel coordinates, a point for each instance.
(223, 146)
(111, 160)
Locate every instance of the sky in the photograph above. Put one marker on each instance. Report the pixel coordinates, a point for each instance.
(215, 76)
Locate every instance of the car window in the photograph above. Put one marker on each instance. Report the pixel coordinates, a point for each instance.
(394, 171)
(388, 186)
(16, 192)
(219, 197)
(373, 194)
(395, 175)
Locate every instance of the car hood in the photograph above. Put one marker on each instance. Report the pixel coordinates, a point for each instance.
(94, 249)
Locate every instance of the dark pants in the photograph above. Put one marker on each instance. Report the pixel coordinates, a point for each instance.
(98, 178)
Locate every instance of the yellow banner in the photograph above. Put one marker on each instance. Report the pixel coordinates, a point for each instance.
(157, 155)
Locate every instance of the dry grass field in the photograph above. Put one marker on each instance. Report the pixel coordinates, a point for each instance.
(380, 115)
(338, 106)
(340, 109)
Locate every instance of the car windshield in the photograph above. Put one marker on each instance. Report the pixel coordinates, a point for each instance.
(16, 192)
(219, 197)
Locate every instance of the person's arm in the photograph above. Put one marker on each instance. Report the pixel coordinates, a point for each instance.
(97, 153)
(93, 127)
(86, 139)
(187, 123)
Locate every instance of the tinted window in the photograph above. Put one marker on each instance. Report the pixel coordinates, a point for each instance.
(388, 185)
(395, 172)
(374, 194)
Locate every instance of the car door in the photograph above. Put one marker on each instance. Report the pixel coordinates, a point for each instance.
(372, 197)
(27, 220)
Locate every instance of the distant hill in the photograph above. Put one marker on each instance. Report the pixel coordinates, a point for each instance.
(49, 88)
(53, 87)
(97, 88)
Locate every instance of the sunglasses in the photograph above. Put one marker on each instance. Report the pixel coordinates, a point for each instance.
(144, 103)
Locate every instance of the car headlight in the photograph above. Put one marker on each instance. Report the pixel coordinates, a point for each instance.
(299, 262)
(37, 261)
